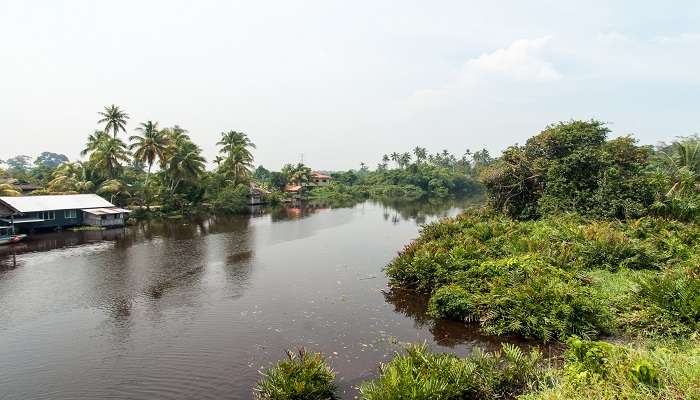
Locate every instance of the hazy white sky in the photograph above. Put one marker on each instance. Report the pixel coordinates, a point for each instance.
(344, 82)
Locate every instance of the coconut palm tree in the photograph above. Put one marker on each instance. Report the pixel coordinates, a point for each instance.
(152, 144)
(297, 174)
(396, 157)
(114, 118)
(8, 189)
(232, 141)
(237, 166)
(108, 157)
(185, 165)
(114, 188)
(421, 153)
(70, 177)
(238, 163)
(94, 141)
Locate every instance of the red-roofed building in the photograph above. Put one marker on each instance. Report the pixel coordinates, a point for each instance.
(319, 179)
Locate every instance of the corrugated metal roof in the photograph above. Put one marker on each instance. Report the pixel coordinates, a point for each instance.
(25, 204)
(104, 211)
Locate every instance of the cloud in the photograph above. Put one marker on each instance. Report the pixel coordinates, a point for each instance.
(520, 61)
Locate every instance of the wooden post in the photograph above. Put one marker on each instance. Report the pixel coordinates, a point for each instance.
(12, 223)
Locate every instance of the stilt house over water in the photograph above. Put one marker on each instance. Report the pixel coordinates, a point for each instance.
(30, 213)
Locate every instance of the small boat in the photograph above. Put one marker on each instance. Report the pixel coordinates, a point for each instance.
(7, 238)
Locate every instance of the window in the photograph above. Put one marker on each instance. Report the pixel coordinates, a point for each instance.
(70, 214)
(47, 215)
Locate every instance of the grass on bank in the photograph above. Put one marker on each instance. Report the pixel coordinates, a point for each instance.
(557, 277)
(421, 375)
(302, 376)
(602, 371)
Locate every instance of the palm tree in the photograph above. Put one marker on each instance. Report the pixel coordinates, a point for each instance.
(94, 141)
(114, 118)
(239, 159)
(185, 165)
(238, 165)
(236, 141)
(113, 187)
(297, 174)
(396, 157)
(151, 145)
(421, 153)
(8, 189)
(107, 158)
(70, 177)
(404, 159)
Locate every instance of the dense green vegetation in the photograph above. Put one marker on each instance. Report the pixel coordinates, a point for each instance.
(421, 375)
(555, 277)
(302, 376)
(161, 171)
(413, 175)
(599, 370)
(584, 236)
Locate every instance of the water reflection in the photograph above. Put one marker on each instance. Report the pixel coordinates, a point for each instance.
(194, 307)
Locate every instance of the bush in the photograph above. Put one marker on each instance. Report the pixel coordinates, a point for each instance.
(601, 371)
(675, 294)
(419, 375)
(450, 302)
(545, 279)
(231, 199)
(302, 376)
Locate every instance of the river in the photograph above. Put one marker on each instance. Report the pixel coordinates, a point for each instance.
(193, 309)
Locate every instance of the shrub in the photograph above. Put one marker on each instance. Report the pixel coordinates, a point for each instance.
(419, 375)
(545, 278)
(675, 293)
(450, 302)
(231, 199)
(302, 376)
(602, 371)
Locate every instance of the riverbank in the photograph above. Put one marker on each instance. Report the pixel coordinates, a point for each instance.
(558, 278)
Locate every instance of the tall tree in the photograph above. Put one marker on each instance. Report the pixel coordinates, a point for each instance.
(239, 160)
(421, 153)
(153, 144)
(108, 156)
(70, 177)
(94, 141)
(114, 119)
(185, 165)
(396, 157)
(50, 160)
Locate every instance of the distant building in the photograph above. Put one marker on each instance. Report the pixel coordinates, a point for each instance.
(318, 179)
(257, 195)
(28, 187)
(295, 189)
(29, 213)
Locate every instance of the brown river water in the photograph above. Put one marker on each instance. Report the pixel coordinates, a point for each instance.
(193, 309)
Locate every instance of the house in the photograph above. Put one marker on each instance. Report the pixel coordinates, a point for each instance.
(257, 195)
(30, 213)
(294, 189)
(318, 179)
(28, 187)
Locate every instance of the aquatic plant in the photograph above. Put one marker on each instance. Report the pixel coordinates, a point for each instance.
(302, 376)
(418, 374)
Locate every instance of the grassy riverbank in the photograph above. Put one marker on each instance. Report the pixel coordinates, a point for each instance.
(552, 278)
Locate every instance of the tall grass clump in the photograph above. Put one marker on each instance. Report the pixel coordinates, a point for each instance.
(421, 375)
(597, 371)
(542, 278)
(302, 376)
